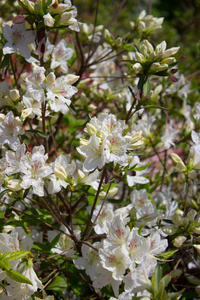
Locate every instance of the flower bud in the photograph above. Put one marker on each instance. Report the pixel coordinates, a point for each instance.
(107, 35)
(197, 247)
(141, 26)
(142, 15)
(137, 67)
(179, 241)
(14, 94)
(170, 52)
(178, 220)
(169, 60)
(191, 215)
(14, 185)
(27, 5)
(59, 171)
(139, 57)
(65, 17)
(143, 49)
(175, 158)
(156, 67)
(169, 229)
(196, 230)
(48, 20)
(149, 46)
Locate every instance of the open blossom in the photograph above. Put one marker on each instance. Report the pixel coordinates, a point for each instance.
(116, 261)
(94, 153)
(60, 90)
(34, 168)
(63, 171)
(13, 160)
(18, 39)
(10, 128)
(60, 54)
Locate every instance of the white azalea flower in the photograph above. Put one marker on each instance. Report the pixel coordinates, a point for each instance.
(138, 279)
(89, 260)
(94, 153)
(115, 261)
(116, 147)
(10, 128)
(25, 242)
(33, 100)
(13, 160)
(137, 247)
(18, 38)
(169, 135)
(117, 232)
(37, 78)
(63, 171)
(60, 54)
(60, 90)
(106, 215)
(34, 168)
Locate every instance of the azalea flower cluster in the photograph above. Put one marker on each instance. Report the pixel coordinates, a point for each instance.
(99, 162)
(125, 255)
(107, 142)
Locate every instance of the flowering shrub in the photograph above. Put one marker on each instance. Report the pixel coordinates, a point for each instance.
(100, 160)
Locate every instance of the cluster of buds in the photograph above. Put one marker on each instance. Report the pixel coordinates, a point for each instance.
(147, 24)
(153, 61)
(182, 226)
(52, 13)
(190, 170)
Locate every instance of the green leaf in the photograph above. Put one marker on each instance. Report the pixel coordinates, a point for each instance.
(166, 280)
(5, 62)
(18, 277)
(15, 255)
(166, 255)
(142, 167)
(156, 106)
(59, 284)
(5, 265)
(25, 139)
(36, 132)
(147, 87)
(141, 82)
(54, 241)
(69, 120)
(162, 73)
(3, 193)
(157, 277)
(129, 47)
(3, 288)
